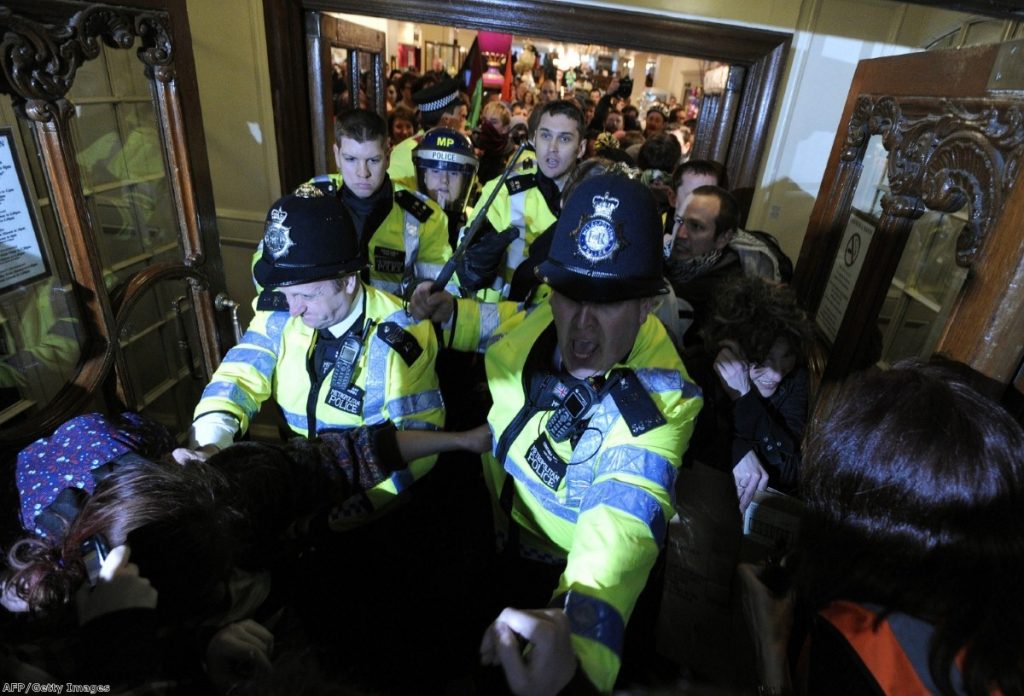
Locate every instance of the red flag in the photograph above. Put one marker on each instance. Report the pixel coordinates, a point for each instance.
(507, 91)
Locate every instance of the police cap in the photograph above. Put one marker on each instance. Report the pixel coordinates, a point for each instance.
(437, 96)
(608, 243)
(308, 236)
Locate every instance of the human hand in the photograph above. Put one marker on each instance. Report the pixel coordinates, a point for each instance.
(549, 662)
(435, 306)
(119, 587)
(750, 478)
(478, 440)
(769, 619)
(733, 370)
(240, 650)
(184, 455)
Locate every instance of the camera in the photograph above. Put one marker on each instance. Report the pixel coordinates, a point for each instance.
(625, 88)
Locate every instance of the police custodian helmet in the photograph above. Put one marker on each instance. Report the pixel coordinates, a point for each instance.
(445, 149)
(308, 236)
(607, 243)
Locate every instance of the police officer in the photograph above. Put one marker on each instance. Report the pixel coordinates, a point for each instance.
(340, 355)
(592, 412)
(403, 233)
(446, 167)
(437, 105)
(530, 199)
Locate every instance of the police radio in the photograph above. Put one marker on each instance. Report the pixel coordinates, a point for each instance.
(574, 407)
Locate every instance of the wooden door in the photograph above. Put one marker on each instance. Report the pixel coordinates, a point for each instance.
(330, 42)
(915, 242)
(110, 264)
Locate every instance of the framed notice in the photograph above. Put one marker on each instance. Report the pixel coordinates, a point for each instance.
(845, 272)
(22, 257)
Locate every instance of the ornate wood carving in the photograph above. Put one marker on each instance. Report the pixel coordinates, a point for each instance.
(39, 61)
(943, 154)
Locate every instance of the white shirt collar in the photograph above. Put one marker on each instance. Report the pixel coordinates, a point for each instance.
(354, 312)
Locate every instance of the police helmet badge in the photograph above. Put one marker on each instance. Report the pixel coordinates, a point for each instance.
(277, 239)
(598, 238)
(309, 190)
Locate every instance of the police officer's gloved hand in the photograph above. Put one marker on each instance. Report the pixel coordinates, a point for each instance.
(490, 140)
(483, 259)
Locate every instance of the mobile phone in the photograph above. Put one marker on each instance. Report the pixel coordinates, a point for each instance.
(94, 552)
(565, 418)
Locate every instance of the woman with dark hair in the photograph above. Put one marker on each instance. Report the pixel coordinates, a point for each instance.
(203, 533)
(756, 387)
(911, 548)
(401, 125)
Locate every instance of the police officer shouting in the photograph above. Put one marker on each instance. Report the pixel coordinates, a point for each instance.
(592, 412)
(334, 353)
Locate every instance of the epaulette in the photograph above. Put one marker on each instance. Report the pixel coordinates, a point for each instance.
(411, 203)
(520, 183)
(326, 183)
(635, 404)
(271, 301)
(403, 342)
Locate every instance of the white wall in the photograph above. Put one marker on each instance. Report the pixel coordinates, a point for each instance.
(829, 38)
(238, 119)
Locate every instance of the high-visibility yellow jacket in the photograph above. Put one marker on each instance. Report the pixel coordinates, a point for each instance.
(393, 380)
(518, 204)
(401, 168)
(607, 515)
(412, 241)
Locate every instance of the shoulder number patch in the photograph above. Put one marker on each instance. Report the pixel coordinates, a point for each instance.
(518, 184)
(403, 342)
(636, 405)
(271, 301)
(409, 202)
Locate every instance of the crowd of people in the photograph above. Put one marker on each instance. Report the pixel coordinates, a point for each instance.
(493, 353)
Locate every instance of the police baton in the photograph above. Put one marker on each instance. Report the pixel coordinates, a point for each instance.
(449, 267)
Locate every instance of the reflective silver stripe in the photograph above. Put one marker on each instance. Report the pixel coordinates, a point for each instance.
(376, 371)
(386, 285)
(489, 320)
(411, 238)
(593, 618)
(427, 270)
(414, 403)
(517, 249)
(225, 389)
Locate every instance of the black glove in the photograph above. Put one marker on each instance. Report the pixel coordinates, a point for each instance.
(484, 257)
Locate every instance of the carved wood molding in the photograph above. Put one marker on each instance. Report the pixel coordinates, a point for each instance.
(943, 154)
(39, 61)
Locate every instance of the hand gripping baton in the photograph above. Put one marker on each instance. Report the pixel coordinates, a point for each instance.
(449, 267)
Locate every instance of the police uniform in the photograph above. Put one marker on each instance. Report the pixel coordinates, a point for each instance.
(379, 368)
(401, 168)
(410, 243)
(526, 205)
(585, 468)
(433, 99)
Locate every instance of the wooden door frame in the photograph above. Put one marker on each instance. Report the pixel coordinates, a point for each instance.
(762, 53)
(65, 34)
(954, 141)
(323, 33)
